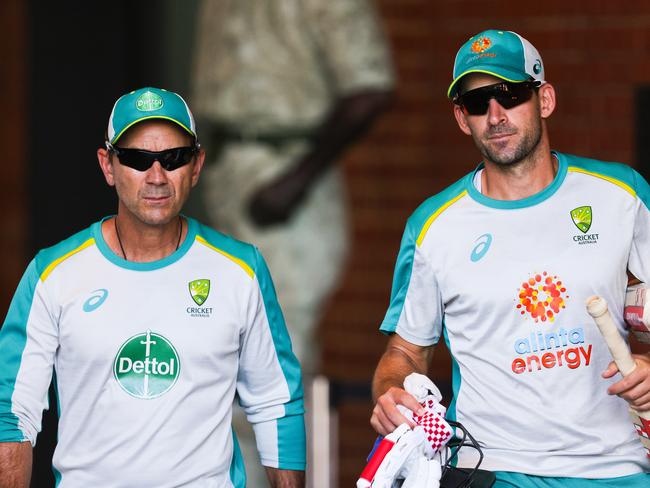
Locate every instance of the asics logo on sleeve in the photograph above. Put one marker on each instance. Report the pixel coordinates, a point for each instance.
(96, 300)
(481, 248)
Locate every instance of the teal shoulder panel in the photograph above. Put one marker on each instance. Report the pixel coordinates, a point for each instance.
(13, 337)
(617, 173)
(48, 257)
(419, 221)
(242, 251)
(290, 428)
(417, 226)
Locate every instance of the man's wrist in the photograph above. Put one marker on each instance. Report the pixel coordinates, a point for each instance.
(285, 478)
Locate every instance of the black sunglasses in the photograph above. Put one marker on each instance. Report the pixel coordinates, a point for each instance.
(141, 160)
(508, 95)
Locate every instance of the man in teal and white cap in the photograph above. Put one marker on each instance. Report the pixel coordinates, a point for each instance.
(152, 323)
(500, 264)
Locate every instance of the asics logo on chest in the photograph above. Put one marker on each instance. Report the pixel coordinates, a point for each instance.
(481, 248)
(95, 301)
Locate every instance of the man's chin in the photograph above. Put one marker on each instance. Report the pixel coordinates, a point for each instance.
(158, 218)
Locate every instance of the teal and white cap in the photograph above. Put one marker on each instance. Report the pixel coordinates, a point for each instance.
(149, 103)
(504, 54)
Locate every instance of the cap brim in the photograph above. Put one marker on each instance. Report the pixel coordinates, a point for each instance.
(504, 74)
(163, 117)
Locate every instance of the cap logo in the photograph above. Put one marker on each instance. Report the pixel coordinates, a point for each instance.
(149, 101)
(537, 67)
(481, 44)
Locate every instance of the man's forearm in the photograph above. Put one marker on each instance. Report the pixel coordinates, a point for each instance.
(398, 361)
(285, 478)
(15, 464)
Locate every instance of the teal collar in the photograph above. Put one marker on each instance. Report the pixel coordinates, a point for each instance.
(524, 202)
(153, 265)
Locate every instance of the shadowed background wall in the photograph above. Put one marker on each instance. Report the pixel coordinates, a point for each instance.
(64, 65)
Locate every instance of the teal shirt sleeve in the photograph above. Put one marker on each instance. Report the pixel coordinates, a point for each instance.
(13, 339)
(266, 352)
(401, 279)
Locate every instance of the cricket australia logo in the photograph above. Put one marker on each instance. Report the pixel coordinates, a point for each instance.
(582, 218)
(146, 366)
(199, 291)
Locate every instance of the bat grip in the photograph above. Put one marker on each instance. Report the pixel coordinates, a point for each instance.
(597, 308)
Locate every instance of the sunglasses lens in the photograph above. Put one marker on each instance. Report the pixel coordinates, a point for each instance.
(142, 160)
(134, 158)
(508, 95)
(475, 103)
(175, 158)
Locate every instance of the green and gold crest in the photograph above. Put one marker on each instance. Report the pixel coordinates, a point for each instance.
(199, 291)
(581, 217)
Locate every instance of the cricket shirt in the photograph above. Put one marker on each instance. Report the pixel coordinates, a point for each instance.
(147, 359)
(504, 284)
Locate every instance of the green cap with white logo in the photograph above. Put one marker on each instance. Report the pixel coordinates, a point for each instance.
(504, 54)
(149, 103)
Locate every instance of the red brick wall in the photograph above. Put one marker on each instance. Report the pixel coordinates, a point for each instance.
(12, 142)
(595, 52)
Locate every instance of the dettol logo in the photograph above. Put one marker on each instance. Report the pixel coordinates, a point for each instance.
(147, 365)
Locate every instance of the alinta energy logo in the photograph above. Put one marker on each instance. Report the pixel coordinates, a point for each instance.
(542, 297)
(582, 218)
(199, 291)
(147, 365)
(481, 45)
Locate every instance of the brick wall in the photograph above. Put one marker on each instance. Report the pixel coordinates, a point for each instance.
(12, 142)
(596, 54)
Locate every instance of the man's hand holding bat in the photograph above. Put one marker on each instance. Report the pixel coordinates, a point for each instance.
(635, 385)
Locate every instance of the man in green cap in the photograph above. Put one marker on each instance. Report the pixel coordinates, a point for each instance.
(500, 264)
(151, 323)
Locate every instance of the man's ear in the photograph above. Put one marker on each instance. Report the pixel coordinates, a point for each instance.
(546, 95)
(461, 119)
(105, 163)
(198, 166)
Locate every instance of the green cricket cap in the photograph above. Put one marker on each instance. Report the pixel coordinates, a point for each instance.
(145, 104)
(504, 54)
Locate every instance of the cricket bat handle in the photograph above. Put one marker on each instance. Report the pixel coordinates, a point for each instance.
(597, 308)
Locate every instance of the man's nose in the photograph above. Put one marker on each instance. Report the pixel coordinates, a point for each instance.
(496, 113)
(156, 175)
